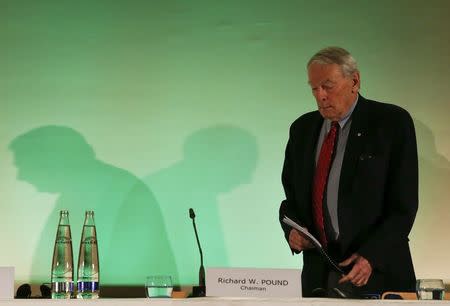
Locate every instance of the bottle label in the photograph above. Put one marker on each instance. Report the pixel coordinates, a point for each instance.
(90, 240)
(87, 286)
(62, 286)
(63, 240)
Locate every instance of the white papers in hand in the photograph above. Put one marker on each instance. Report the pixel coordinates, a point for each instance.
(302, 230)
(315, 242)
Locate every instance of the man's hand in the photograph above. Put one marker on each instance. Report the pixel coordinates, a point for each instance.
(360, 273)
(298, 242)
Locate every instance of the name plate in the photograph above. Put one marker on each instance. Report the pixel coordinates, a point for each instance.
(251, 282)
(6, 282)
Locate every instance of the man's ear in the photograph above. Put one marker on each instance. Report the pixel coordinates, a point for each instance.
(356, 81)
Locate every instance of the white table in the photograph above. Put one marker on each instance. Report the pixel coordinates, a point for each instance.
(209, 301)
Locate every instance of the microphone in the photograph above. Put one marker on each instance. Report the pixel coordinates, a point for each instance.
(200, 290)
(319, 292)
(23, 292)
(46, 291)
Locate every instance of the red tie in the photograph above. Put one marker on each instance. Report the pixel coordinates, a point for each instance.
(321, 178)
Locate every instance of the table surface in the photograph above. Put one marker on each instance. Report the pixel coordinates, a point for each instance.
(217, 302)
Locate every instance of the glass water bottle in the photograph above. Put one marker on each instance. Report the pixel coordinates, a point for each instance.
(62, 263)
(88, 265)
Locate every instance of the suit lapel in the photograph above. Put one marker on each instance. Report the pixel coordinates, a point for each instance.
(311, 145)
(354, 147)
(307, 149)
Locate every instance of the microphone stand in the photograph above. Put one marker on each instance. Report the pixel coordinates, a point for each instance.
(200, 290)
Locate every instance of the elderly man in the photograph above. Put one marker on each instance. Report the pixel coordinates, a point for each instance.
(350, 177)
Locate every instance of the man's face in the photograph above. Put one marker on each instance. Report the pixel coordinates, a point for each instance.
(334, 92)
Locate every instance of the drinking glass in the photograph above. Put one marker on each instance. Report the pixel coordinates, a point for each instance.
(430, 289)
(158, 286)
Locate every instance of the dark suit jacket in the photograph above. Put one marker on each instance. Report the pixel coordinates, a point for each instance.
(378, 193)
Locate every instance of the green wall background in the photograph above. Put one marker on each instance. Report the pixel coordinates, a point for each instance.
(142, 109)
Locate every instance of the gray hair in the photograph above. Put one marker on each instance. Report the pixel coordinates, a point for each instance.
(336, 55)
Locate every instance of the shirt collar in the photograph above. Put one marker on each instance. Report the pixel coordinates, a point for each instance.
(347, 116)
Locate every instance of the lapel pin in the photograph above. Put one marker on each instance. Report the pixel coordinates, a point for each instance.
(359, 134)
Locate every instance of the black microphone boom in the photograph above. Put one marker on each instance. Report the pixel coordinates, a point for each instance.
(199, 290)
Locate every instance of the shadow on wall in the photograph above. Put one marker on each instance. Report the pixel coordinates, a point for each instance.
(216, 160)
(131, 233)
(431, 226)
